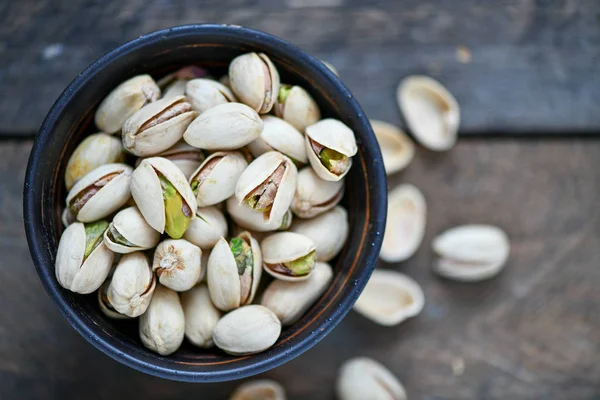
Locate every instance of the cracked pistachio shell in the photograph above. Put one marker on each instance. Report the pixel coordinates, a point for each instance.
(247, 330)
(148, 194)
(207, 93)
(162, 326)
(204, 263)
(224, 127)
(397, 149)
(105, 306)
(285, 247)
(206, 228)
(290, 300)
(261, 389)
(314, 195)
(110, 196)
(363, 378)
(258, 172)
(219, 174)
(201, 316)
(297, 107)
(327, 231)
(280, 136)
(76, 272)
(255, 81)
(143, 137)
(175, 89)
(184, 156)
(177, 264)
(124, 101)
(95, 150)
(254, 220)
(67, 217)
(332, 134)
(131, 225)
(223, 278)
(132, 285)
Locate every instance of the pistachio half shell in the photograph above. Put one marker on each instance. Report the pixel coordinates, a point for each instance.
(254, 220)
(262, 389)
(105, 306)
(327, 231)
(288, 256)
(280, 136)
(206, 228)
(255, 81)
(132, 285)
(363, 378)
(201, 316)
(396, 147)
(297, 107)
(314, 195)
(207, 93)
(177, 264)
(187, 158)
(129, 232)
(162, 326)
(216, 178)
(330, 146)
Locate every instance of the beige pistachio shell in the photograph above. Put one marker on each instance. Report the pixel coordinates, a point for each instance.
(261, 389)
(132, 285)
(390, 297)
(175, 89)
(280, 136)
(431, 112)
(290, 300)
(327, 231)
(299, 109)
(331, 67)
(314, 195)
(187, 158)
(247, 330)
(108, 198)
(177, 264)
(396, 147)
(220, 171)
(162, 326)
(207, 93)
(255, 81)
(204, 263)
(105, 306)
(332, 134)
(363, 378)
(206, 228)
(224, 127)
(253, 220)
(130, 224)
(201, 316)
(224, 80)
(95, 150)
(67, 217)
(283, 247)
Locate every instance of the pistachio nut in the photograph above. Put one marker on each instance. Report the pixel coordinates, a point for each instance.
(204, 266)
(82, 260)
(280, 136)
(163, 196)
(132, 285)
(105, 306)
(184, 74)
(431, 112)
(67, 217)
(201, 316)
(184, 156)
(215, 179)
(297, 107)
(234, 271)
(129, 232)
(100, 192)
(254, 220)
(247, 330)
(397, 149)
(290, 300)
(268, 185)
(224, 80)
(95, 150)
(175, 89)
(162, 326)
(206, 228)
(390, 297)
(261, 389)
(330, 146)
(327, 231)
(288, 256)
(157, 126)
(177, 264)
(226, 126)
(363, 378)
(314, 195)
(207, 93)
(124, 101)
(255, 81)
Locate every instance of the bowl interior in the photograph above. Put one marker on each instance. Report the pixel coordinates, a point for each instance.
(211, 47)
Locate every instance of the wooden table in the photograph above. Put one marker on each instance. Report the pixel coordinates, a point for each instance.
(525, 73)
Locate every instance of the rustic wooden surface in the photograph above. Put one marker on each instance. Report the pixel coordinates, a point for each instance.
(531, 333)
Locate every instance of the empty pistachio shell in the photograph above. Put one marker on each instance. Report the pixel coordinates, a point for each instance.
(363, 378)
(95, 150)
(405, 226)
(215, 179)
(396, 147)
(162, 326)
(163, 196)
(314, 195)
(290, 300)
(297, 107)
(105, 306)
(129, 232)
(254, 220)
(431, 112)
(184, 156)
(255, 81)
(201, 316)
(124, 101)
(224, 127)
(280, 136)
(288, 256)
(390, 298)
(82, 260)
(268, 185)
(247, 330)
(327, 231)
(100, 192)
(262, 389)
(471, 253)
(330, 146)
(207, 93)
(177, 264)
(206, 228)
(132, 285)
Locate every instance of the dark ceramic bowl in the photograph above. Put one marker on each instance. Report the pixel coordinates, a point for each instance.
(158, 53)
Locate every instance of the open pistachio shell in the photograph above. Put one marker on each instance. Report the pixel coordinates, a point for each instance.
(100, 192)
(105, 306)
(215, 179)
(162, 326)
(129, 232)
(396, 147)
(261, 389)
(363, 378)
(297, 107)
(132, 285)
(124, 101)
(177, 264)
(206, 228)
(254, 220)
(314, 195)
(207, 93)
(431, 112)
(175, 89)
(280, 136)
(201, 316)
(288, 256)
(330, 146)
(390, 298)
(255, 81)
(187, 158)
(67, 217)
(327, 231)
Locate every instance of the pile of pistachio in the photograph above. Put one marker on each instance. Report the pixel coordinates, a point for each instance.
(225, 179)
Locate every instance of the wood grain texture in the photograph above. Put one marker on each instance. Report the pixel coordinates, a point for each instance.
(531, 333)
(532, 66)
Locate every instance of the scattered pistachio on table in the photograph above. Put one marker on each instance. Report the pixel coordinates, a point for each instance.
(363, 378)
(260, 389)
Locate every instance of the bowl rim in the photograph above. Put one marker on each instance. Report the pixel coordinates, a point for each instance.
(107, 344)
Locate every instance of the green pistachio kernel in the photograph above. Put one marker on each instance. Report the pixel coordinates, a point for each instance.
(93, 236)
(334, 161)
(177, 213)
(116, 237)
(242, 253)
(302, 265)
(284, 92)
